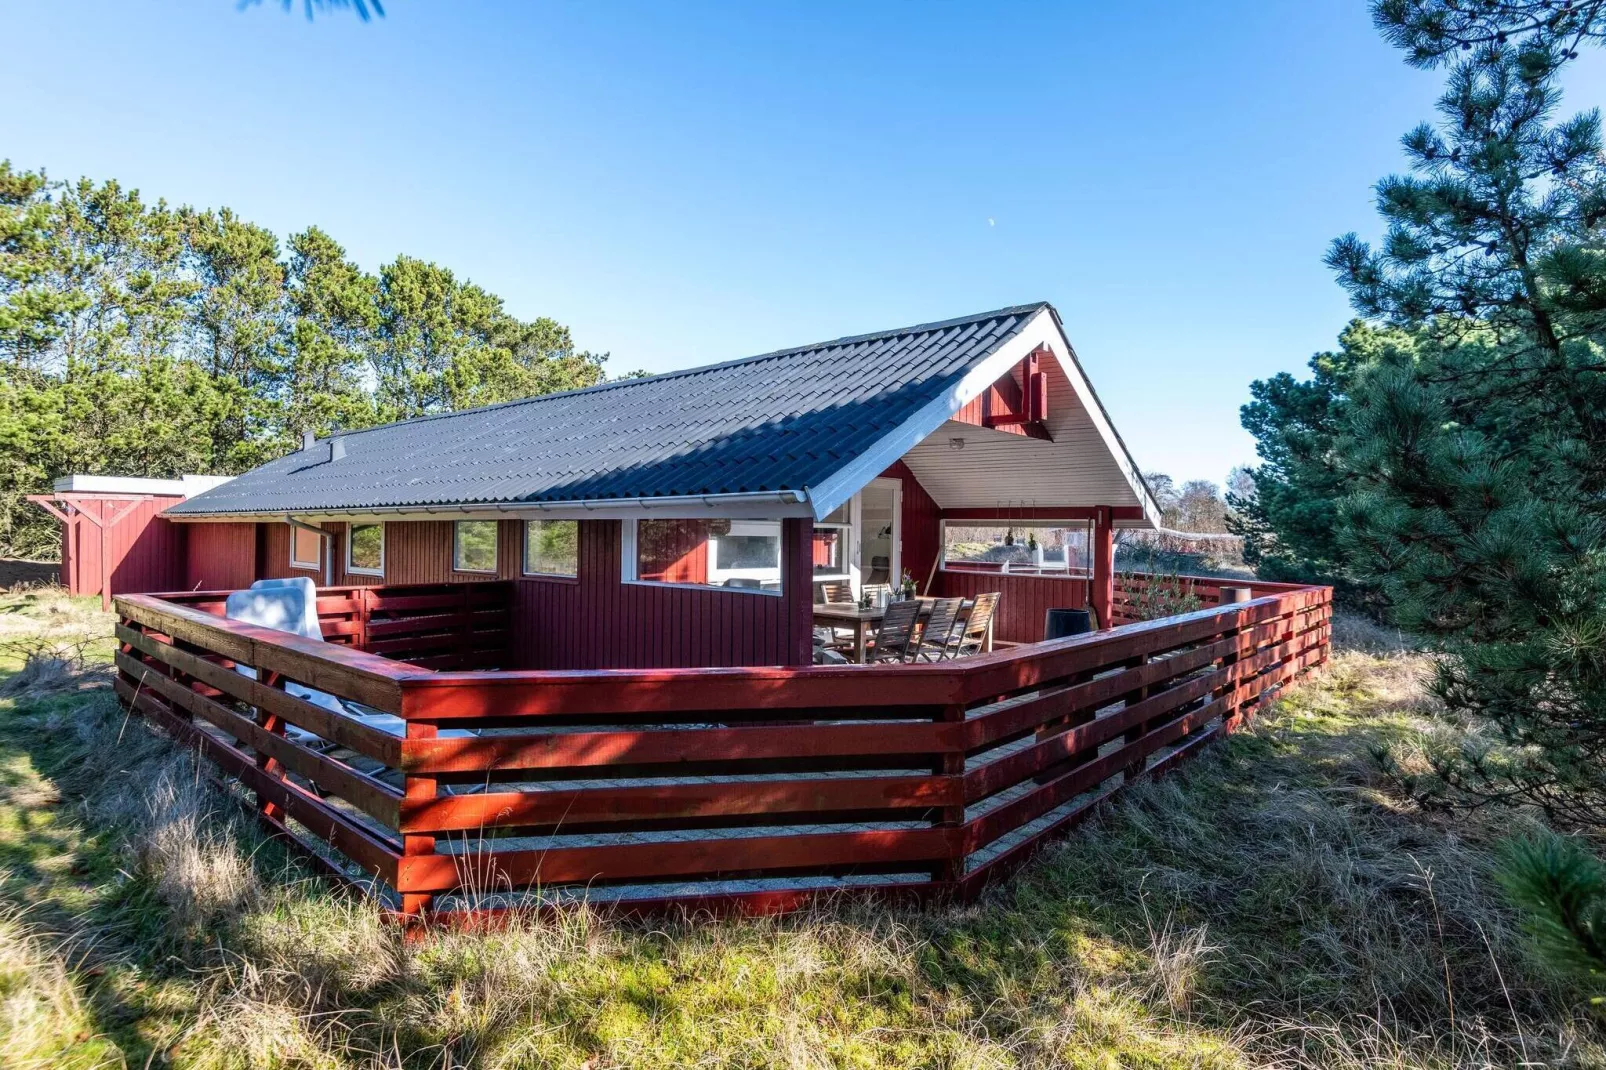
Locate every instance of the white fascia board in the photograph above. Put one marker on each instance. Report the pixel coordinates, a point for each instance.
(1066, 356)
(852, 477)
(81, 484)
(767, 506)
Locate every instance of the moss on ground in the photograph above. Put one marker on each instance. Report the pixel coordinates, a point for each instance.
(1277, 904)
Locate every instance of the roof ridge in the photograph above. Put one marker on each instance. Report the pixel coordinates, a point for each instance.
(852, 339)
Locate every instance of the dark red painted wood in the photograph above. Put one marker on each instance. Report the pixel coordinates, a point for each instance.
(220, 557)
(1024, 600)
(146, 551)
(595, 621)
(922, 741)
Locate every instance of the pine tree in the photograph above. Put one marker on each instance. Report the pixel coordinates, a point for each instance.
(1478, 451)
(1290, 517)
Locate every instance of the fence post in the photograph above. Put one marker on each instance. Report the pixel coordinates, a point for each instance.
(271, 722)
(1137, 731)
(1230, 715)
(415, 788)
(950, 765)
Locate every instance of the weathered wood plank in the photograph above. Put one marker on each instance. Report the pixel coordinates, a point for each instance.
(346, 731)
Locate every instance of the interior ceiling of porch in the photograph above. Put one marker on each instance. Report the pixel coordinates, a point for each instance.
(1075, 466)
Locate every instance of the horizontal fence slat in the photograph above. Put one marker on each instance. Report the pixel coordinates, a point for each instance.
(623, 804)
(346, 731)
(870, 851)
(675, 746)
(334, 828)
(377, 800)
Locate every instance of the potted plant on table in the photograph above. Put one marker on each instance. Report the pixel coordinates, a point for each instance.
(906, 585)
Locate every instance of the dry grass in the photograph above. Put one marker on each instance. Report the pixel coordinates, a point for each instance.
(1276, 906)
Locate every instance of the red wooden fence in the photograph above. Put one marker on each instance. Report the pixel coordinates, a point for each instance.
(747, 788)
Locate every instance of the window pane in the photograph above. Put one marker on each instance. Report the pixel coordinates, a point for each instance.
(717, 553)
(304, 547)
(368, 546)
(830, 552)
(475, 546)
(551, 547)
(1029, 548)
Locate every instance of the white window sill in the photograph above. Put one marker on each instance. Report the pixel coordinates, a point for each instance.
(719, 588)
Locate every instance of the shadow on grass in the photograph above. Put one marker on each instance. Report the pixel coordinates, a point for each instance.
(1274, 883)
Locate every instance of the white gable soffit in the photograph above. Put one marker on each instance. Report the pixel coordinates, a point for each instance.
(184, 487)
(1044, 329)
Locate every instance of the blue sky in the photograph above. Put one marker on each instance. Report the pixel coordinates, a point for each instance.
(683, 183)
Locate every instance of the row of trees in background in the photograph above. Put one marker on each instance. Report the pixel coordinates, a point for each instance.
(1447, 462)
(140, 339)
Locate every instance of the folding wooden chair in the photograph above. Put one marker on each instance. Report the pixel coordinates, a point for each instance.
(893, 637)
(972, 634)
(934, 640)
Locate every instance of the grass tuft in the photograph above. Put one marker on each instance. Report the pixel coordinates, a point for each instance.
(1280, 903)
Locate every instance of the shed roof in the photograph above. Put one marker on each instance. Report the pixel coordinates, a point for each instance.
(789, 425)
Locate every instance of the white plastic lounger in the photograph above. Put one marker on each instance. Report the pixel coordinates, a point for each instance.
(292, 606)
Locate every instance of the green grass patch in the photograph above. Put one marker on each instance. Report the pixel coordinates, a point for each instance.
(1277, 904)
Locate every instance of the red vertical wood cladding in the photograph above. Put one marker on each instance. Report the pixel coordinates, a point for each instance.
(1023, 602)
(220, 557)
(596, 621)
(946, 775)
(145, 550)
(921, 523)
(420, 551)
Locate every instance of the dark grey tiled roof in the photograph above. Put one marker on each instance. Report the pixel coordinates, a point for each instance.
(780, 421)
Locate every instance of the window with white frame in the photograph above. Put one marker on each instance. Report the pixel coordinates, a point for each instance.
(742, 555)
(1035, 547)
(552, 548)
(474, 545)
(365, 549)
(306, 549)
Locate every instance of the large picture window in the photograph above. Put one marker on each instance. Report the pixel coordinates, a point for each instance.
(551, 547)
(474, 546)
(365, 549)
(735, 554)
(306, 549)
(1036, 548)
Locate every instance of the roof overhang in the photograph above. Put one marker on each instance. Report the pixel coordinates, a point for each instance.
(1095, 442)
(767, 505)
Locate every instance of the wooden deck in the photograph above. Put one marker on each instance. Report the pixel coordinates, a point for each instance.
(753, 789)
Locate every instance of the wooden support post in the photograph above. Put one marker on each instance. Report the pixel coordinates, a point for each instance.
(951, 765)
(275, 724)
(1138, 731)
(1102, 593)
(797, 587)
(365, 612)
(415, 904)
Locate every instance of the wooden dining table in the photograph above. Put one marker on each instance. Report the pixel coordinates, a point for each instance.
(863, 622)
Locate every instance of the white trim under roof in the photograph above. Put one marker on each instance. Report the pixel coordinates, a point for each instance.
(187, 486)
(763, 505)
(1043, 328)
